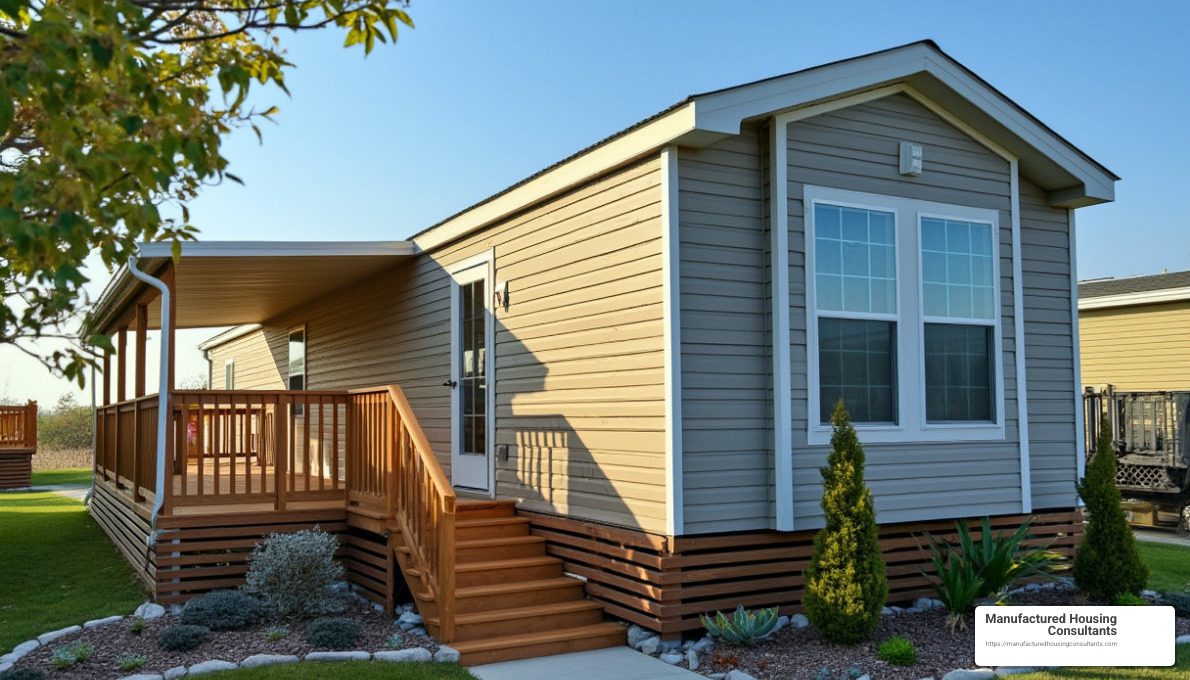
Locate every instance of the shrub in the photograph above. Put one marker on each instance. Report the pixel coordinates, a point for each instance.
(130, 662)
(182, 637)
(742, 627)
(846, 583)
(22, 674)
(66, 426)
(136, 625)
(223, 610)
(68, 655)
(898, 651)
(1107, 562)
(1130, 600)
(976, 569)
(294, 572)
(333, 633)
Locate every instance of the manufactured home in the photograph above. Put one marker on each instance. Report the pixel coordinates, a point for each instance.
(621, 369)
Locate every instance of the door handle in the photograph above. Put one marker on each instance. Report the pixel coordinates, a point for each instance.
(450, 383)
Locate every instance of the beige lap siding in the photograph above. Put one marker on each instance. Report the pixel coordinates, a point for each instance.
(261, 361)
(579, 397)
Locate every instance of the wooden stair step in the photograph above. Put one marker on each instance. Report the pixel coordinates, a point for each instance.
(474, 509)
(533, 619)
(517, 594)
(490, 527)
(529, 645)
(503, 571)
(509, 547)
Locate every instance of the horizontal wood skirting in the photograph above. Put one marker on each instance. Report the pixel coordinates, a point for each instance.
(16, 469)
(664, 583)
(190, 558)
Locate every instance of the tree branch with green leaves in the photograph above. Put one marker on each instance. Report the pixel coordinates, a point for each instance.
(112, 119)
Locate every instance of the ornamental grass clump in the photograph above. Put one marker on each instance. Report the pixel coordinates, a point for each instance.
(1107, 562)
(846, 585)
(742, 627)
(897, 650)
(294, 573)
(68, 655)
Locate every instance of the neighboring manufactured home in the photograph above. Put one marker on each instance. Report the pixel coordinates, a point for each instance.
(1134, 332)
(623, 366)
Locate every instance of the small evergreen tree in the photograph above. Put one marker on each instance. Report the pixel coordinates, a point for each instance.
(846, 585)
(1107, 563)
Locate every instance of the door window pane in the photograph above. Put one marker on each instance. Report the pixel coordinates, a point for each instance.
(856, 363)
(473, 383)
(959, 384)
(859, 245)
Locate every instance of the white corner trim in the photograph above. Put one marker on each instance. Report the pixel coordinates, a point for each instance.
(1018, 318)
(671, 298)
(1080, 434)
(779, 278)
(1144, 297)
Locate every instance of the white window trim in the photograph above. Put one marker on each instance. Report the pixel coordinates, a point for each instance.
(910, 319)
(229, 384)
(487, 262)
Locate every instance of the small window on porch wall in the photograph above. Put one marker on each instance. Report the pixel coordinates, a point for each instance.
(297, 365)
(229, 374)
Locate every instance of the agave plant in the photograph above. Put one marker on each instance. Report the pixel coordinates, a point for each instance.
(742, 627)
(975, 570)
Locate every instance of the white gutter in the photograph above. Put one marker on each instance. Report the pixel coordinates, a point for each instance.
(162, 395)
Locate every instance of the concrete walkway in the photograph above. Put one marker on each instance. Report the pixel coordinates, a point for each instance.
(1167, 536)
(69, 490)
(614, 663)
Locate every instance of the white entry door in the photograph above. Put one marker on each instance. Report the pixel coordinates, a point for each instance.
(471, 342)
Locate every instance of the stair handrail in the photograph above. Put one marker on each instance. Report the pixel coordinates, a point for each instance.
(423, 502)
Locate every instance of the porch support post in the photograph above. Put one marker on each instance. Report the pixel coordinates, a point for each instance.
(107, 377)
(122, 364)
(142, 323)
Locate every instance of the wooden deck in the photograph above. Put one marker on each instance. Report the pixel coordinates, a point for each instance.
(18, 444)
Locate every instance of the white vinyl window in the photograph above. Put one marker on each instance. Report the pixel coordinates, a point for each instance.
(229, 374)
(297, 358)
(903, 317)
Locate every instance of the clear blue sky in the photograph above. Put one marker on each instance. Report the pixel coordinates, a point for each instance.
(482, 94)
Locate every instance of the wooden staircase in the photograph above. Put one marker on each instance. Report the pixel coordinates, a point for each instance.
(483, 584)
(511, 599)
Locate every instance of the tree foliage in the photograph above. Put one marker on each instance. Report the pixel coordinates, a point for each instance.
(112, 115)
(846, 584)
(1107, 563)
(66, 426)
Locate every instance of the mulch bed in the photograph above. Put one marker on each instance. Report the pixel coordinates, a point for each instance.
(114, 641)
(802, 654)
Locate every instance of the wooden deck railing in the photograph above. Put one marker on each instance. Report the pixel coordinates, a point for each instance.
(260, 446)
(126, 445)
(18, 427)
(392, 469)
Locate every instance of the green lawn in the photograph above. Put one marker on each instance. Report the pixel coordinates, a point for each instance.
(73, 476)
(1179, 671)
(1169, 565)
(57, 568)
(356, 670)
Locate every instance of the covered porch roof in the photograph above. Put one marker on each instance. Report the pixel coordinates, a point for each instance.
(229, 283)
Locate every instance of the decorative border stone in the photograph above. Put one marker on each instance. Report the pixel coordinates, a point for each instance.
(338, 656)
(211, 666)
(411, 655)
(46, 638)
(257, 660)
(103, 622)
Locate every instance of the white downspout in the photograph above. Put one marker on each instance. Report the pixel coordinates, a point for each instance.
(162, 395)
(94, 439)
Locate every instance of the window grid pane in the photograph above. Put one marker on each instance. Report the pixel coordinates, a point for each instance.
(958, 269)
(857, 361)
(855, 260)
(959, 384)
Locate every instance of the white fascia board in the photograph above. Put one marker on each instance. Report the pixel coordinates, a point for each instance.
(227, 336)
(647, 138)
(724, 111)
(164, 249)
(1144, 297)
